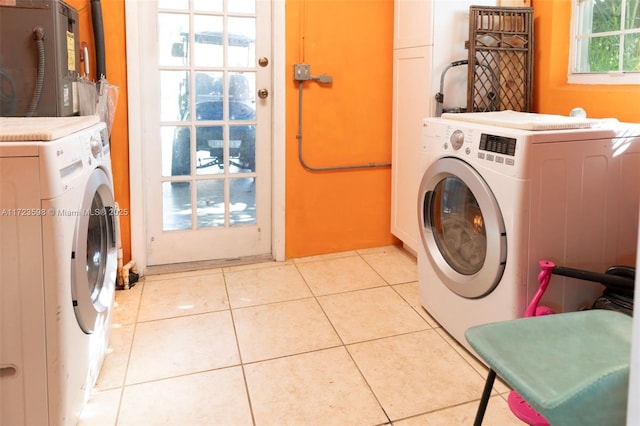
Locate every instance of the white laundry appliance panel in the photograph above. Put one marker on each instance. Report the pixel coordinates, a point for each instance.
(23, 362)
(569, 196)
(57, 281)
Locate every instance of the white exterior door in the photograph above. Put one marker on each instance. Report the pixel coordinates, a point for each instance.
(205, 72)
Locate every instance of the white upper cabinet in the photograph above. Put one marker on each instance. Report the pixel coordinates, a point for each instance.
(412, 25)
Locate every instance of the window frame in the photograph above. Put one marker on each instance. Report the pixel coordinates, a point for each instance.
(606, 78)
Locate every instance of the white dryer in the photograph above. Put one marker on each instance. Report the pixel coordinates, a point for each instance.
(58, 256)
(495, 199)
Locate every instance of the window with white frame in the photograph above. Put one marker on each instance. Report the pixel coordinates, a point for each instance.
(605, 42)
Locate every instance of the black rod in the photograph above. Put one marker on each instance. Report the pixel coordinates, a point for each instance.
(606, 279)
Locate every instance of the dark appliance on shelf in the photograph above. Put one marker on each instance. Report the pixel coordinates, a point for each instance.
(39, 59)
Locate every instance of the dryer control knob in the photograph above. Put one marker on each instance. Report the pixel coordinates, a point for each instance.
(457, 139)
(96, 147)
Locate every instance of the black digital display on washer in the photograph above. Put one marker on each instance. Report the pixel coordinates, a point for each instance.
(498, 144)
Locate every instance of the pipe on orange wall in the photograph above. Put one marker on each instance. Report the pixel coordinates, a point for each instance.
(325, 168)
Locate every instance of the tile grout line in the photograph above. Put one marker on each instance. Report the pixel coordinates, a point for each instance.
(126, 370)
(242, 364)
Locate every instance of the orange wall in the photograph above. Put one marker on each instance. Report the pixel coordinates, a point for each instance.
(348, 122)
(114, 28)
(552, 94)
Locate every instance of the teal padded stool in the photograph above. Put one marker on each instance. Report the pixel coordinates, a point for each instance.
(573, 368)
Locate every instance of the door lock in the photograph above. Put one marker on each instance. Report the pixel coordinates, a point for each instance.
(263, 93)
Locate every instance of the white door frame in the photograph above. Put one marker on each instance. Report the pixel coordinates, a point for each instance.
(135, 94)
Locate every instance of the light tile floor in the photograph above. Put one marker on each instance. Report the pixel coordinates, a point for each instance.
(339, 339)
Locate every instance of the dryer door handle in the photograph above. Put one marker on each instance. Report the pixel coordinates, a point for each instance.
(427, 213)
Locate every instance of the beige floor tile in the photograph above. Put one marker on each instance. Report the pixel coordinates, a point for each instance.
(411, 293)
(184, 295)
(182, 345)
(370, 314)
(318, 388)
(126, 305)
(101, 409)
(416, 373)
(394, 264)
(285, 328)
(114, 366)
(251, 287)
(210, 398)
(499, 386)
(497, 414)
(339, 274)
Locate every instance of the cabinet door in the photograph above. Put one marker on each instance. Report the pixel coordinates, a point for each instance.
(412, 102)
(412, 23)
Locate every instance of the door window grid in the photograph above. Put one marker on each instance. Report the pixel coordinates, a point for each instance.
(238, 104)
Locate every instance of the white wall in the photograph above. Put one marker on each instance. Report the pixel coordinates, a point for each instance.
(450, 31)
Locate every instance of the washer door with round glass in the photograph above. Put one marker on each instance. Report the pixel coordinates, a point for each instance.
(462, 228)
(94, 262)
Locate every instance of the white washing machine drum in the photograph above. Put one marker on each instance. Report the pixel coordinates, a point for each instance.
(461, 228)
(94, 261)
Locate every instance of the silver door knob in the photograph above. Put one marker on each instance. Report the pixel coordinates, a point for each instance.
(263, 93)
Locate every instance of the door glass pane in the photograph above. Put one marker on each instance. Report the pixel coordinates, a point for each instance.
(173, 30)
(242, 98)
(208, 5)
(208, 46)
(174, 95)
(173, 4)
(242, 108)
(242, 149)
(211, 204)
(209, 95)
(176, 150)
(458, 226)
(242, 6)
(242, 201)
(176, 205)
(210, 149)
(242, 42)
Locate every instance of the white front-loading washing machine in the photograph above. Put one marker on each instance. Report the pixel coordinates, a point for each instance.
(58, 256)
(495, 199)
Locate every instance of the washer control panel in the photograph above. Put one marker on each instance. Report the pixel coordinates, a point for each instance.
(497, 148)
(500, 149)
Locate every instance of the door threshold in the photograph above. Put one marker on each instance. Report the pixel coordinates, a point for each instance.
(207, 264)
